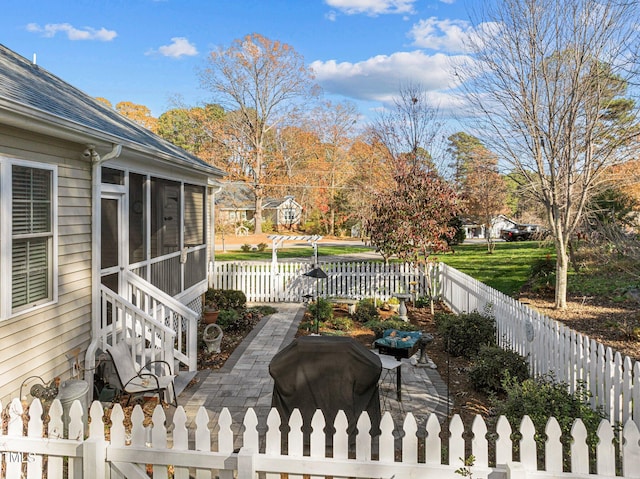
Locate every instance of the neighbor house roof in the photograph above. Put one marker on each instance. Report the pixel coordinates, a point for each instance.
(239, 196)
(33, 98)
(236, 196)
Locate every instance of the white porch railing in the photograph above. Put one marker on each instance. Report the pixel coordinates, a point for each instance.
(156, 326)
(414, 452)
(120, 320)
(170, 312)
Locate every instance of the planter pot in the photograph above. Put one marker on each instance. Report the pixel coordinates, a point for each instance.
(210, 316)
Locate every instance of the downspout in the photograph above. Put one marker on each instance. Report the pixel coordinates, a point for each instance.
(96, 190)
(212, 228)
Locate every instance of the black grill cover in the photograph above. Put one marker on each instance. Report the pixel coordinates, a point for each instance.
(327, 373)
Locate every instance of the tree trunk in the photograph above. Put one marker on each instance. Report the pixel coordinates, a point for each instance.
(562, 267)
(490, 243)
(258, 214)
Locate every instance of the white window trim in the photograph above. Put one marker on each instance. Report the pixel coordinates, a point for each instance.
(6, 236)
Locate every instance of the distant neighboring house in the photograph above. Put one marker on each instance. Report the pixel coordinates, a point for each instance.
(236, 203)
(104, 232)
(283, 212)
(500, 222)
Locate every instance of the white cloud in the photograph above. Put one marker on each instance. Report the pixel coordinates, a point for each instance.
(372, 7)
(331, 16)
(73, 33)
(379, 78)
(448, 35)
(179, 47)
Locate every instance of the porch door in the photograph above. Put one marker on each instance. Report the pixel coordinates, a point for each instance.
(113, 241)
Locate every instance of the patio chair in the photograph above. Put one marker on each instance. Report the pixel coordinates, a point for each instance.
(135, 382)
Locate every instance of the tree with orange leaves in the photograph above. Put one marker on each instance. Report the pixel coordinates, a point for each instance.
(483, 190)
(138, 113)
(259, 82)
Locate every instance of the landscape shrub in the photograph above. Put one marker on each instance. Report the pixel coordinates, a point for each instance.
(366, 311)
(267, 225)
(378, 327)
(541, 398)
(262, 247)
(226, 298)
(340, 323)
(465, 333)
(542, 274)
(321, 309)
(423, 302)
(492, 365)
(227, 319)
(245, 248)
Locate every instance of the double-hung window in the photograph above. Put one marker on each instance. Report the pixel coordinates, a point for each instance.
(29, 252)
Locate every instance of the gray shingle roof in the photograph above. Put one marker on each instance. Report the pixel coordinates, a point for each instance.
(27, 84)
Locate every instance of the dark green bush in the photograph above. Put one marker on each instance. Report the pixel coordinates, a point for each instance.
(543, 397)
(378, 327)
(492, 365)
(262, 246)
(245, 248)
(423, 302)
(226, 298)
(228, 318)
(321, 310)
(463, 334)
(366, 311)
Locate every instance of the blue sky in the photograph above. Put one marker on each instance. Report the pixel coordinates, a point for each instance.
(149, 51)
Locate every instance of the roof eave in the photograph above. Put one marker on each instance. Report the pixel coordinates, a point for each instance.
(33, 119)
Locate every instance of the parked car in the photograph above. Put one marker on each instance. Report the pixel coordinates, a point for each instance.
(523, 233)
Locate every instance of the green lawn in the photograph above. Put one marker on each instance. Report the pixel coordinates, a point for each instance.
(507, 269)
(289, 253)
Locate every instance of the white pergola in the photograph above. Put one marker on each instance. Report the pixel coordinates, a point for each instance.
(278, 241)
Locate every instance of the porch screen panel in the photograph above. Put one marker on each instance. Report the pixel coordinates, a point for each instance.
(32, 235)
(196, 267)
(137, 214)
(165, 217)
(193, 215)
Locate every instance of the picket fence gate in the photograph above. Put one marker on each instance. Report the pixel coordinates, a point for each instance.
(269, 282)
(32, 450)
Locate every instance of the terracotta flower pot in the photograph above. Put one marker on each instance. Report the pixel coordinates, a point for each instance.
(210, 316)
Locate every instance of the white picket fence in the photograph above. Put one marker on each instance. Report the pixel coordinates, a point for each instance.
(262, 282)
(137, 450)
(551, 347)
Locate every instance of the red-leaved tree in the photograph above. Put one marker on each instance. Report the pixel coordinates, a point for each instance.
(411, 220)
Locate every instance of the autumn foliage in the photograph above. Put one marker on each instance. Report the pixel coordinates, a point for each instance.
(411, 220)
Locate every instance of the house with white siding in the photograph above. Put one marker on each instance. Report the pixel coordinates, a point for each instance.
(104, 232)
(236, 204)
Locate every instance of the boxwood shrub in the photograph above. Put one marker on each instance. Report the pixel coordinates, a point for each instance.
(464, 334)
(492, 365)
(226, 298)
